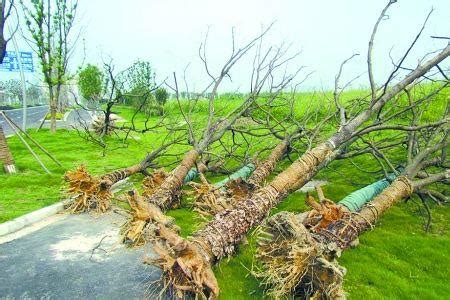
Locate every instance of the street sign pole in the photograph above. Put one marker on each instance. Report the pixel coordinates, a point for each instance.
(22, 77)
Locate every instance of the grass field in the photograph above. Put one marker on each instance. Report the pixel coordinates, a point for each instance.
(398, 259)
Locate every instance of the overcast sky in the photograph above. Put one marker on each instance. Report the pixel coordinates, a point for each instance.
(169, 32)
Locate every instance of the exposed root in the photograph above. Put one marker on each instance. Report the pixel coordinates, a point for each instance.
(146, 217)
(88, 192)
(293, 263)
(210, 200)
(98, 124)
(186, 268)
(323, 213)
(153, 181)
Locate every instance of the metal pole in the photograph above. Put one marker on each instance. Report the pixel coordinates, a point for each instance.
(22, 77)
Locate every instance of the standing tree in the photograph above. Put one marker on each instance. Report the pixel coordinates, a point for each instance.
(13, 88)
(161, 96)
(6, 7)
(50, 23)
(5, 13)
(90, 81)
(34, 93)
(138, 83)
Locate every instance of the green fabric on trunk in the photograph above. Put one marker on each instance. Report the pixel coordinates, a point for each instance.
(356, 200)
(243, 173)
(191, 175)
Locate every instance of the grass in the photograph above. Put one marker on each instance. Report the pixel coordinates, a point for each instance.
(395, 260)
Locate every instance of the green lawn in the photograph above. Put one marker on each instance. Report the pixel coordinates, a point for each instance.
(395, 260)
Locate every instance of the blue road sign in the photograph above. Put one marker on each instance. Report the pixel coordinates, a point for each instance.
(11, 64)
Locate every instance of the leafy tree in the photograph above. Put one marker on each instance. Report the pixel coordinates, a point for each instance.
(50, 23)
(161, 96)
(13, 88)
(6, 8)
(138, 82)
(34, 93)
(90, 81)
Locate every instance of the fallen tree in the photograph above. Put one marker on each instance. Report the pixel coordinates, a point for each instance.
(298, 253)
(94, 192)
(186, 263)
(211, 199)
(266, 64)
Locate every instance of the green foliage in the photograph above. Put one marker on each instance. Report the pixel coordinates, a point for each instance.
(161, 96)
(34, 92)
(49, 24)
(396, 260)
(59, 116)
(90, 81)
(13, 87)
(139, 79)
(138, 83)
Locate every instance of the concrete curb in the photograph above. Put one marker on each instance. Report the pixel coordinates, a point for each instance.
(32, 217)
(45, 212)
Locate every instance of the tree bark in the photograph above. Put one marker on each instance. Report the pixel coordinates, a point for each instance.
(109, 179)
(5, 154)
(164, 197)
(53, 110)
(299, 260)
(264, 169)
(2, 30)
(220, 236)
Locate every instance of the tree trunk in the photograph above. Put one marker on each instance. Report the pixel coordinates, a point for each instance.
(5, 154)
(93, 193)
(53, 110)
(109, 179)
(343, 232)
(264, 169)
(2, 30)
(300, 261)
(212, 199)
(234, 224)
(165, 196)
(188, 269)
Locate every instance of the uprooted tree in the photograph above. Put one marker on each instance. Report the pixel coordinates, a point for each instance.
(265, 69)
(93, 193)
(298, 253)
(186, 263)
(213, 198)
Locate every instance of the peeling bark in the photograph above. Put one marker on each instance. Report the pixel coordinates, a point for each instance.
(165, 197)
(264, 169)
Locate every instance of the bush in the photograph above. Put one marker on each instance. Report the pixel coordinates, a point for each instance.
(161, 96)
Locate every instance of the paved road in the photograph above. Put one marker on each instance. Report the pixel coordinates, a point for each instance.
(78, 117)
(34, 117)
(58, 262)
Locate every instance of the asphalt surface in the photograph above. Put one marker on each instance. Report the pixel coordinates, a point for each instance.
(76, 257)
(34, 118)
(75, 118)
(79, 118)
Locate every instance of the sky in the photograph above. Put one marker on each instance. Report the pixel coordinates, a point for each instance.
(325, 32)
